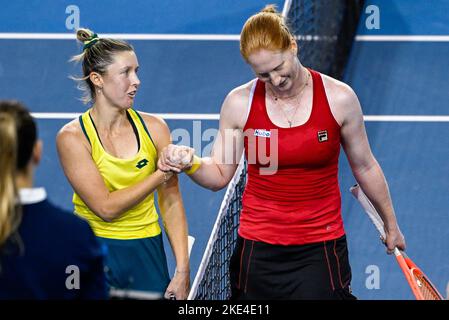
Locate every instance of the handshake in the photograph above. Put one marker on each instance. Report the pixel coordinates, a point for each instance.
(176, 158)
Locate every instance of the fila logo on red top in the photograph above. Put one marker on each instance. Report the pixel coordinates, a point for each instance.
(322, 136)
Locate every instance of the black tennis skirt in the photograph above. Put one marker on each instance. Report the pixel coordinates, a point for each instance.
(317, 271)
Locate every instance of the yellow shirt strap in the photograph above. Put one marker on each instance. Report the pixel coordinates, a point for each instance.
(196, 164)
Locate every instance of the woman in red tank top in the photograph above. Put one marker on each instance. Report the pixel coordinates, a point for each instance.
(290, 121)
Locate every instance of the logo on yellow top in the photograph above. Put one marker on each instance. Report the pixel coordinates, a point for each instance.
(142, 163)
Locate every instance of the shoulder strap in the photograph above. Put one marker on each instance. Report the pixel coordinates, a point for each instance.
(84, 128)
(139, 118)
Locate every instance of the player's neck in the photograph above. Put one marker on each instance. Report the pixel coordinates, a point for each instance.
(107, 117)
(24, 180)
(300, 80)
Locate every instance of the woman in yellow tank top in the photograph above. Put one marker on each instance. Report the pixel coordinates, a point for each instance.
(109, 155)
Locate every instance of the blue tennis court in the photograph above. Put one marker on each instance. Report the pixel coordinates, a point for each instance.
(189, 60)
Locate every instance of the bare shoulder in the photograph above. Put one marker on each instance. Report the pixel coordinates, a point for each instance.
(72, 141)
(153, 121)
(159, 130)
(342, 98)
(242, 91)
(69, 132)
(235, 105)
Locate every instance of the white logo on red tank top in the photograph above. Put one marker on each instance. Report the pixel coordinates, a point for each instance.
(262, 133)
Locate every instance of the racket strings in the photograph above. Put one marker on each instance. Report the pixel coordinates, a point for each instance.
(425, 287)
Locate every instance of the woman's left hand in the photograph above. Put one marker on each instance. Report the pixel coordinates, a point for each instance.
(179, 286)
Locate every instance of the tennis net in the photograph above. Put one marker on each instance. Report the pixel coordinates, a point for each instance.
(324, 30)
(212, 279)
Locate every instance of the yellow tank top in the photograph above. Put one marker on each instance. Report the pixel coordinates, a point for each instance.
(140, 221)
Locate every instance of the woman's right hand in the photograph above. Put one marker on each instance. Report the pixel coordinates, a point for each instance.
(175, 158)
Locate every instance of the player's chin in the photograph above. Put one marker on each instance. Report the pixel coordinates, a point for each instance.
(284, 85)
(129, 103)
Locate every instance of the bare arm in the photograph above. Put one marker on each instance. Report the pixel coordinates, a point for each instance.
(87, 182)
(173, 215)
(365, 167)
(217, 170)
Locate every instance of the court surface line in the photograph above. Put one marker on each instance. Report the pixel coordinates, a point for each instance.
(168, 116)
(403, 38)
(216, 116)
(125, 36)
(214, 37)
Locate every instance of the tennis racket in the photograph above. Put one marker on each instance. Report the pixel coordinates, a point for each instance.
(421, 286)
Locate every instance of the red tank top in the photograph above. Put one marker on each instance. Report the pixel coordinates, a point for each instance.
(300, 203)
